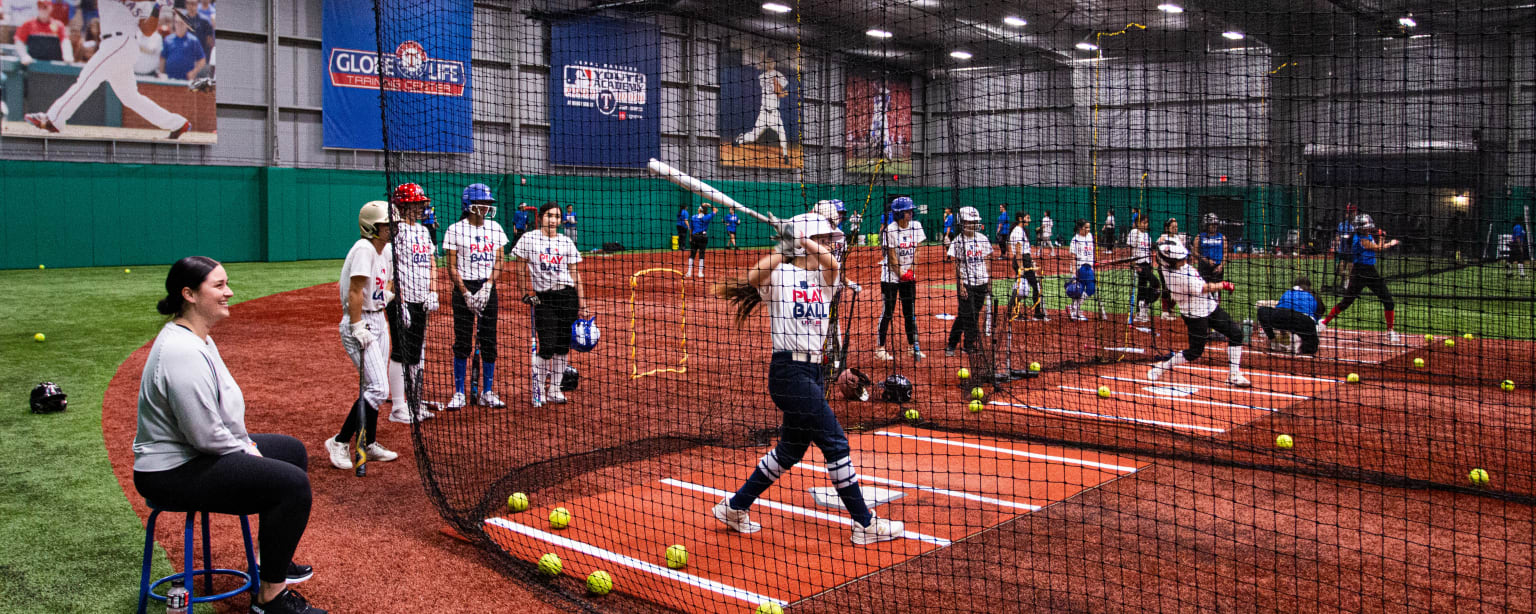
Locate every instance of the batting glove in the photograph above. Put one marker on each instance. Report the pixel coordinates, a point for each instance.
(431, 302)
(389, 297)
(1227, 285)
(363, 336)
(855, 287)
(532, 299)
(908, 275)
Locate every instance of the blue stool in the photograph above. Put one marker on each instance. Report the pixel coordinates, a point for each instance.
(147, 590)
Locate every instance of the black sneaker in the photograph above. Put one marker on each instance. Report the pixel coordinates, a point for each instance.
(298, 573)
(287, 602)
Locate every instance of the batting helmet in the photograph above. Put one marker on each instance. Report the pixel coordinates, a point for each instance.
(48, 398)
(831, 209)
(969, 214)
(374, 213)
(584, 334)
(1173, 251)
(903, 204)
(1364, 222)
(810, 225)
(571, 379)
(478, 195)
(896, 389)
(409, 193)
(1210, 218)
(1074, 289)
(854, 384)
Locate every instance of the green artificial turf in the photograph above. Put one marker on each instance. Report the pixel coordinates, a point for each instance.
(71, 540)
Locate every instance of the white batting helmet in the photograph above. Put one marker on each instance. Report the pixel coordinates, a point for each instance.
(373, 213)
(832, 209)
(810, 225)
(969, 214)
(1173, 251)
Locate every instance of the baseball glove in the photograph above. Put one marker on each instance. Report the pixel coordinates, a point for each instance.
(201, 84)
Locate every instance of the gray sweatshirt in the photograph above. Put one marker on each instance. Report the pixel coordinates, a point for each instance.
(189, 405)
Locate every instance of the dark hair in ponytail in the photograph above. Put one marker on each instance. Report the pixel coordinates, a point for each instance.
(189, 272)
(736, 290)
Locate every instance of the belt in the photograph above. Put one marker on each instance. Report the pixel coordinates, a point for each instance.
(810, 357)
(107, 36)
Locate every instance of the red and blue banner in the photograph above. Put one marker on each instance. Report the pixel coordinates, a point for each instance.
(422, 78)
(604, 93)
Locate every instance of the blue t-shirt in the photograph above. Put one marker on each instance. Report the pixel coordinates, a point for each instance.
(1002, 223)
(949, 223)
(699, 223)
(1300, 301)
(1363, 255)
(520, 219)
(181, 53)
(570, 220)
(682, 217)
(1213, 247)
(1346, 234)
(731, 221)
(1518, 234)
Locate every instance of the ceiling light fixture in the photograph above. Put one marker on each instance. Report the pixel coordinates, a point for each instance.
(1170, 8)
(960, 55)
(877, 33)
(1232, 35)
(1087, 46)
(1017, 22)
(774, 7)
(1407, 21)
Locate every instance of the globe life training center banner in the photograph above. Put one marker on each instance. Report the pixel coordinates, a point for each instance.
(605, 93)
(426, 76)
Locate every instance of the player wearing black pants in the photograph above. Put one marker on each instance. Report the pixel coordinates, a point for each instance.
(471, 327)
(898, 277)
(473, 246)
(1202, 315)
(556, 283)
(1363, 275)
(971, 253)
(1296, 312)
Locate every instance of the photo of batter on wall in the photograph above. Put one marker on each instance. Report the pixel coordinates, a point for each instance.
(757, 122)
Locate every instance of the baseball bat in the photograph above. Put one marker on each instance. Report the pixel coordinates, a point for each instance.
(688, 182)
(533, 351)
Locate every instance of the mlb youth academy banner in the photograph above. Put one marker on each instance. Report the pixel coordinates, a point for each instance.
(426, 76)
(605, 93)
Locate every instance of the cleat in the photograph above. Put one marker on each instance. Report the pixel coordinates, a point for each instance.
(1168, 316)
(917, 353)
(1237, 380)
(1393, 339)
(1155, 372)
(341, 456)
(883, 355)
(949, 351)
(879, 530)
(41, 121)
(456, 402)
(1321, 328)
(738, 520)
(555, 397)
(176, 134)
(489, 399)
(380, 453)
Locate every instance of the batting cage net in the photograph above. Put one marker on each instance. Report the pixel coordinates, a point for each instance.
(973, 306)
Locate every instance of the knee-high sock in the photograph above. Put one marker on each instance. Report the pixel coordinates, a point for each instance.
(1332, 313)
(397, 386)
(1077, 306)
(767, 472)
(1235, 357)
(1391, 317)
(557, 371)
(541, 369)
(701, 266)
(460, 366)
(488, 375)
(689, 270)
(846, 479)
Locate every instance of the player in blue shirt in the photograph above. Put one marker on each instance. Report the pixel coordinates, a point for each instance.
(1343, 246)
(1363, 274)
(730, 228)
(1519, 249)
(698, 232)
(519, 222)
(1004, 224)
(949, 228)
(681, 225)
(569, 222)
(1296, 313)
(1211, 251)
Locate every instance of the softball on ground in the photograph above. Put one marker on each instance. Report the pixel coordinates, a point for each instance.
(1467, 336)
(39, 337)
(41, 266)
(599, 582)
(1104, 391)
(963, 373)
(1450, 343)
(127, 270)
(1418, 362)
(769, 607)
(975, 406)
(911, 415)
(560, 518)
(1507, 385)
(677, 556)
(1429, 337)
(550, 565)
(1284, 442)
(1353, 378)
(978, 394)
(517, 502)
(1478, 477)
(1034, 366)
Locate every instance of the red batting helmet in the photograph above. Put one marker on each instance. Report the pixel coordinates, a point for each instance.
(409, 193)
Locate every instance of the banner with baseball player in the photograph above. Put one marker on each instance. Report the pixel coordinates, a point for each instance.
(758, 116)
(604, 93)
(877, 126)
(108, 92)
(424, 72)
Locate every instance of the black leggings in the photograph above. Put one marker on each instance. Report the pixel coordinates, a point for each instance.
(464, 324)
(682, 236)
(552, 318)
(697, 244)
(1361, 277)
(1148, 287)
(1291, 321)
(274, 486)
(973, 300)
(907, 290)
(405, 341)
(1200, 332)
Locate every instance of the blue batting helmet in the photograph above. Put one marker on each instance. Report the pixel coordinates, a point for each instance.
(902, 205)
(477, 192)
(584, 334)
(1074, 289)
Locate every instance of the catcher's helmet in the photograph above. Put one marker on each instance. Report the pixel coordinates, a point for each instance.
(903, 204)
(48, 398)
(854, 384)
(572, 378)
(584, 334)
(409, 193)
(374, 213)
(896, 389)
(1074, 289)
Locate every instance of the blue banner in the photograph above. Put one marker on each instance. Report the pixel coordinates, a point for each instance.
(425, 75)
(604, 93)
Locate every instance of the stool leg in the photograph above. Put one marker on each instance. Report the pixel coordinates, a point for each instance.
(188, 547)
(250, 558)
(207, 564)
(149, 546)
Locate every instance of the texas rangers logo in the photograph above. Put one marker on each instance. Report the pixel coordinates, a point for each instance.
(408, 69)
(613, 89)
